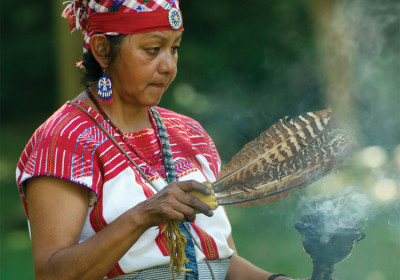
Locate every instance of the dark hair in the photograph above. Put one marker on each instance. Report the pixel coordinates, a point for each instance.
(92, 71)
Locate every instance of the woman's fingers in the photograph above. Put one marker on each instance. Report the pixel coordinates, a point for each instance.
(193, 185)
(174, 203)
(178, 212)
(191, 200)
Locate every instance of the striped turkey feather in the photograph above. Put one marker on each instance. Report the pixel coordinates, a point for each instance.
(291, 154)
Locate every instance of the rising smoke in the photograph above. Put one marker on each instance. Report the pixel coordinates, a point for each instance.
(345, 209)
(375, 29)
(371, 46)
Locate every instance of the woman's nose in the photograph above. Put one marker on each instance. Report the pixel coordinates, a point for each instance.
(168, 63)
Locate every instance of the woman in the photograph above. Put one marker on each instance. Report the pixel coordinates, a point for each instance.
(93, 213)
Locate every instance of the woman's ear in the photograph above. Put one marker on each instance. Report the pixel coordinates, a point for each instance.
(100, 48)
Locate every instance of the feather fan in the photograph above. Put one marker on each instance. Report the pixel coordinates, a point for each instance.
(289, 155)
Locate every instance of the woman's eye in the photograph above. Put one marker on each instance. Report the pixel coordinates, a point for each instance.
(175, 50)
(154, 50)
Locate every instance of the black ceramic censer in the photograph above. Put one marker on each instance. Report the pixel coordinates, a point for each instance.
(326, 245)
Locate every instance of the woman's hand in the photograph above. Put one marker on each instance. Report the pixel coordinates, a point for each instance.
(174, 203)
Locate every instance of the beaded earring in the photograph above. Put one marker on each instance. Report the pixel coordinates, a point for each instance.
(105, 89)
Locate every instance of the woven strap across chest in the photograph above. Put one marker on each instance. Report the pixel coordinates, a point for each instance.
(172, 176)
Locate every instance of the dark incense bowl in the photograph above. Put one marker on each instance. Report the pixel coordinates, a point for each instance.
(326, 247)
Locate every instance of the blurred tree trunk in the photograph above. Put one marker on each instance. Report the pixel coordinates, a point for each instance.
(336, 47)
(68, 52)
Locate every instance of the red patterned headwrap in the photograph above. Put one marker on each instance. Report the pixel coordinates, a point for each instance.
(113, 17)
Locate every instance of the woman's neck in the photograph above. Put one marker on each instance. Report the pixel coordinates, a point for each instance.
(127, 117)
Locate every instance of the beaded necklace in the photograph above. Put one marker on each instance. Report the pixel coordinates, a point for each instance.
(120, 133)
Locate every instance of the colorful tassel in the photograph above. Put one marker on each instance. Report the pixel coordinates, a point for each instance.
(75, 12)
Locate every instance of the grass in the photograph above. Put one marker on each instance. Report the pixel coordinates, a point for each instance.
(15, 247)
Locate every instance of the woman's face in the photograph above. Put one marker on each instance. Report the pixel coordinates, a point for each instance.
(145, 67)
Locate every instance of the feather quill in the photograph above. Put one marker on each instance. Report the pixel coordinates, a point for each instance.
(289, 155)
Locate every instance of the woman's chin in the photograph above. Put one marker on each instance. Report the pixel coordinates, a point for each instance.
(153, 101)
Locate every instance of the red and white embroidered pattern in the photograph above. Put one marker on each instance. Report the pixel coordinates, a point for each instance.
(78, 13)
(69, 145)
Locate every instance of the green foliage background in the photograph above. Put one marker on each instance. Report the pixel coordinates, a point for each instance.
(242, 66)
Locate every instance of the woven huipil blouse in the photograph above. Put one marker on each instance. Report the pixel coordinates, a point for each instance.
(70, 146)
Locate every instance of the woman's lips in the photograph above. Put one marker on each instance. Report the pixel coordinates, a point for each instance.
(158, 85)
